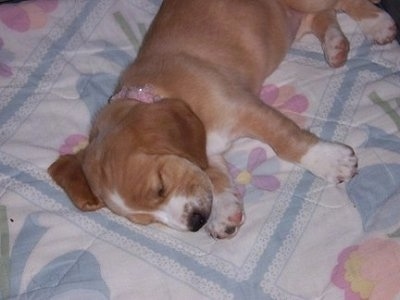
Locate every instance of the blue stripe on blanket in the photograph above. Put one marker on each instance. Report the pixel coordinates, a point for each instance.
(20, 98)
(231, 286)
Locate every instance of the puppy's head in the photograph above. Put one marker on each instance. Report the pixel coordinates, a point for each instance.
(145, 162)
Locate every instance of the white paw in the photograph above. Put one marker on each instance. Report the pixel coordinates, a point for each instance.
(227, 216)
(381, 29)
(336, 47)
(334, 162)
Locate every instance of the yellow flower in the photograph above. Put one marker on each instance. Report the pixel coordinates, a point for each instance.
(354, 277)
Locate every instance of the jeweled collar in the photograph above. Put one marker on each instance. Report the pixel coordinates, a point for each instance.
(144, 94)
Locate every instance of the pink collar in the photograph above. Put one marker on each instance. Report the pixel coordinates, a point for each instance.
(144, 94)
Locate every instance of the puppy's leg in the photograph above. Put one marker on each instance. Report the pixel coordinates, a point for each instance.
(310, 6)
(325, 27)
(334, 162)
(376, 24)
(227, 213)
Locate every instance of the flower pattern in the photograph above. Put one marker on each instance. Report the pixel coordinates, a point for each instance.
(74, 274)
(27, 15)
(73, 144)
(286, 100)
(22, 17)
(370, 270)
(248, 177)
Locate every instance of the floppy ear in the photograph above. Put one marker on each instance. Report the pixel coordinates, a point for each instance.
(67, 172)
(170, 127)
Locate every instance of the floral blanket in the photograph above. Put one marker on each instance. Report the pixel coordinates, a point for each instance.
(303, 238)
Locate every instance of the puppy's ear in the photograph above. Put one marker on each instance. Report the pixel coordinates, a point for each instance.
(170, 127)
(67, 172)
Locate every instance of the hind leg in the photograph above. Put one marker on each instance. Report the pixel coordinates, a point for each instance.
(310, 6)
(376, 24)
(325, 27)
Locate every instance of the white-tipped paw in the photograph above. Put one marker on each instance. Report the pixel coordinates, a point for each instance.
(335, 46)
(334, 162)
(226, 217)
(381, 29)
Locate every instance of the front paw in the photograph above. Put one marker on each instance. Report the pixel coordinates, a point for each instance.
(334, 162)
(226, 217)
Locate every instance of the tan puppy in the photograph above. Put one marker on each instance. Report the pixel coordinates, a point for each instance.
(155, 152)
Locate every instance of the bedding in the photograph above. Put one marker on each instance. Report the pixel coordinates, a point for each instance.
(303, 238)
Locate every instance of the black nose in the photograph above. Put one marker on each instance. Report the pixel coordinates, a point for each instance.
(196, 221)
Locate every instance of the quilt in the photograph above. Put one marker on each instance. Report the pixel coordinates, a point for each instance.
(303, 238)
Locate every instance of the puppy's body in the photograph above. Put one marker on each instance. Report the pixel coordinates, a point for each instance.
(173, 48)
(204, 62)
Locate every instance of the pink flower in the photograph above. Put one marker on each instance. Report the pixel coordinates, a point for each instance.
(370, 270)
(286, 100)
(73, 144)
(27, 15)
(22, 17)
(246, 177)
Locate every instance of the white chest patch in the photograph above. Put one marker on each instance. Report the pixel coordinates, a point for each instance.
(217, 143)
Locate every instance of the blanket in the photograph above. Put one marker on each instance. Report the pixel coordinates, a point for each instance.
(303, 238)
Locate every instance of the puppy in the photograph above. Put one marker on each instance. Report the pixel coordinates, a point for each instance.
(155, 152)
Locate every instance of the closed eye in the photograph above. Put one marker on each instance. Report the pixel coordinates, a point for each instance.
(161, 191)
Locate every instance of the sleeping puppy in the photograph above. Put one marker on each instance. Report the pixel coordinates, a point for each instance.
(155, 152)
